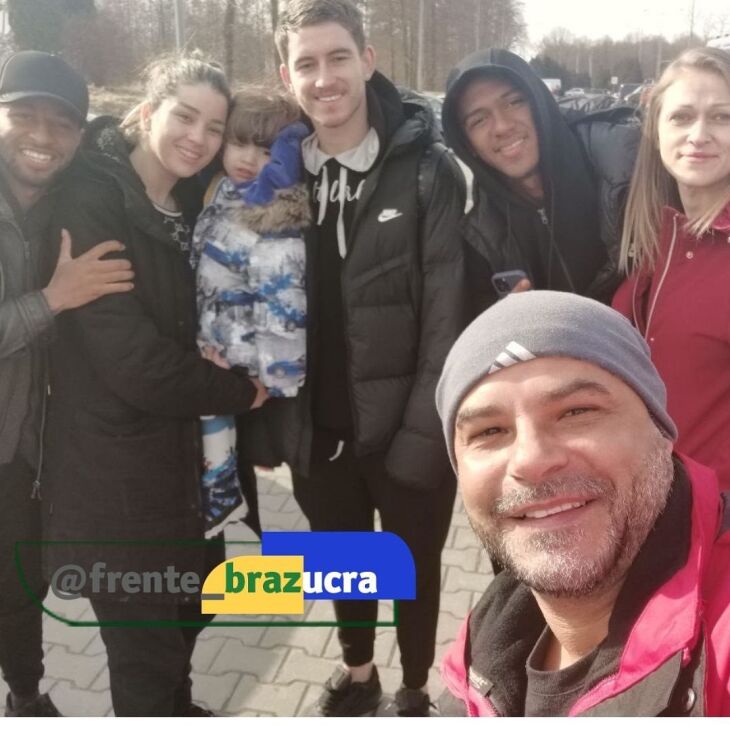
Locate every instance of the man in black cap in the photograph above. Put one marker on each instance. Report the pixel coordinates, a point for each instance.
(43, 108)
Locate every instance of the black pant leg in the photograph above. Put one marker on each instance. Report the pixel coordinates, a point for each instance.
(247, 477)
(335, 497)
(421, 517)
(21, 640)
(148, 665)
(215, 554)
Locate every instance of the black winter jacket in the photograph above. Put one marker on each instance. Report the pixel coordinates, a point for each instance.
(403, 297)
(572, 242)
(128, 384)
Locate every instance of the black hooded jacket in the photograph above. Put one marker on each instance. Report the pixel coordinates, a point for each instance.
(401, 295)
(569, 242)
(128, 384)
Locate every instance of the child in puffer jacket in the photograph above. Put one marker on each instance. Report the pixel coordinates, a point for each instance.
(250, 280)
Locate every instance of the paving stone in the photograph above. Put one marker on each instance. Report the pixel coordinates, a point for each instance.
(457, 603)
(213, 690)
(390, 678)
(80, 669)
(312, 639)
(75, 638)
(333, 650)
(466, 558)
(207, 649)
(281, 521)
(290, 505)
(465, 538)
(259, 697)
(459, 519)
(249, 635)
(74, 702)
(306, 704)
(299, 666)
(484, 565)
(435, 683)
(448, 628)
(101, 683)
(272, 501)
(77, 609)
(386, 648)
(441, 649)
(96, 646)
(319, 611)
(458, 579)
(385, 611)
(236, 657)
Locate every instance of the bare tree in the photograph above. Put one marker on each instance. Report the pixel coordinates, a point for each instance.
(229, 27)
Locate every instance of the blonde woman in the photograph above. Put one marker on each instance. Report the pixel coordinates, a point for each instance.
(676, 249)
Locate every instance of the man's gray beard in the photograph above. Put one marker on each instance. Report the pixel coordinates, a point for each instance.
(564, 571)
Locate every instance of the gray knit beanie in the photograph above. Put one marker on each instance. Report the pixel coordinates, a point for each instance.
(534, 324)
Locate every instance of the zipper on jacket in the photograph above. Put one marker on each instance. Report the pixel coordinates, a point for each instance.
(662, 278)
(36, 493)
(543, 216)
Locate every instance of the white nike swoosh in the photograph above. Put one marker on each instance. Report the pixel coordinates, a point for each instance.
(388, 216)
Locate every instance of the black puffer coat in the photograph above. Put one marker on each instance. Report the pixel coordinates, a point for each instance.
(403, 297)
(571, 243)
(128, 385)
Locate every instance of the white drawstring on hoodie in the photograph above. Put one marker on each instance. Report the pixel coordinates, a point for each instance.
(358, 159)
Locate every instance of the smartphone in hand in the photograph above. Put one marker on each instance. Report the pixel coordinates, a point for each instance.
(505, 281)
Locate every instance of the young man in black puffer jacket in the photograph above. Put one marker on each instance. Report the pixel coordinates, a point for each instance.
(385, 301)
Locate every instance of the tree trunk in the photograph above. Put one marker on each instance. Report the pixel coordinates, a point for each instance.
(274, 5)
(229, 24)
(421, 36)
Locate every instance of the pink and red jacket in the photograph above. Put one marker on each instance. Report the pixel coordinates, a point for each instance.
(683, 310)
(668, 647)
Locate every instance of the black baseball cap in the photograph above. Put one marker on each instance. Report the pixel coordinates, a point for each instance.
(29, 74)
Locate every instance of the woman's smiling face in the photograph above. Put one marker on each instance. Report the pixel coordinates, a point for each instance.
(186, 130)
(694, 130)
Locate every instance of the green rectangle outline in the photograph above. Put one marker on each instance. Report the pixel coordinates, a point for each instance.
(180, 624)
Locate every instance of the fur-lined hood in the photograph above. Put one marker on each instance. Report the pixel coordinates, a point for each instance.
(288, 211)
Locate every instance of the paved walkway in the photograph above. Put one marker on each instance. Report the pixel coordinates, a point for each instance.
(267, 671)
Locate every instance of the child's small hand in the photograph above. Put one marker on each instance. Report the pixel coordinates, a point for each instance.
(210, 353)
(262, 395)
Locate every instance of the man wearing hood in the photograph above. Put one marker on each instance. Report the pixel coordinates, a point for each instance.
(548, 193)
(385, 286)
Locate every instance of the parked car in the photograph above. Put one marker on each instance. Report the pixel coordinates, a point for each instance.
(625, 89)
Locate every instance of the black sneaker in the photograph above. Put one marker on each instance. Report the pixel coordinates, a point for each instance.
(344, 698)
(41, 706)
(412, 703)
(197, 711)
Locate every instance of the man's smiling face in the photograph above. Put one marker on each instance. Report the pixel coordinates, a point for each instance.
(562, 472)
(327, 72)
(38, 139)
(497, 120)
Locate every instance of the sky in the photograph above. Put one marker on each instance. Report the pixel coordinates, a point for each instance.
(618, 18)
